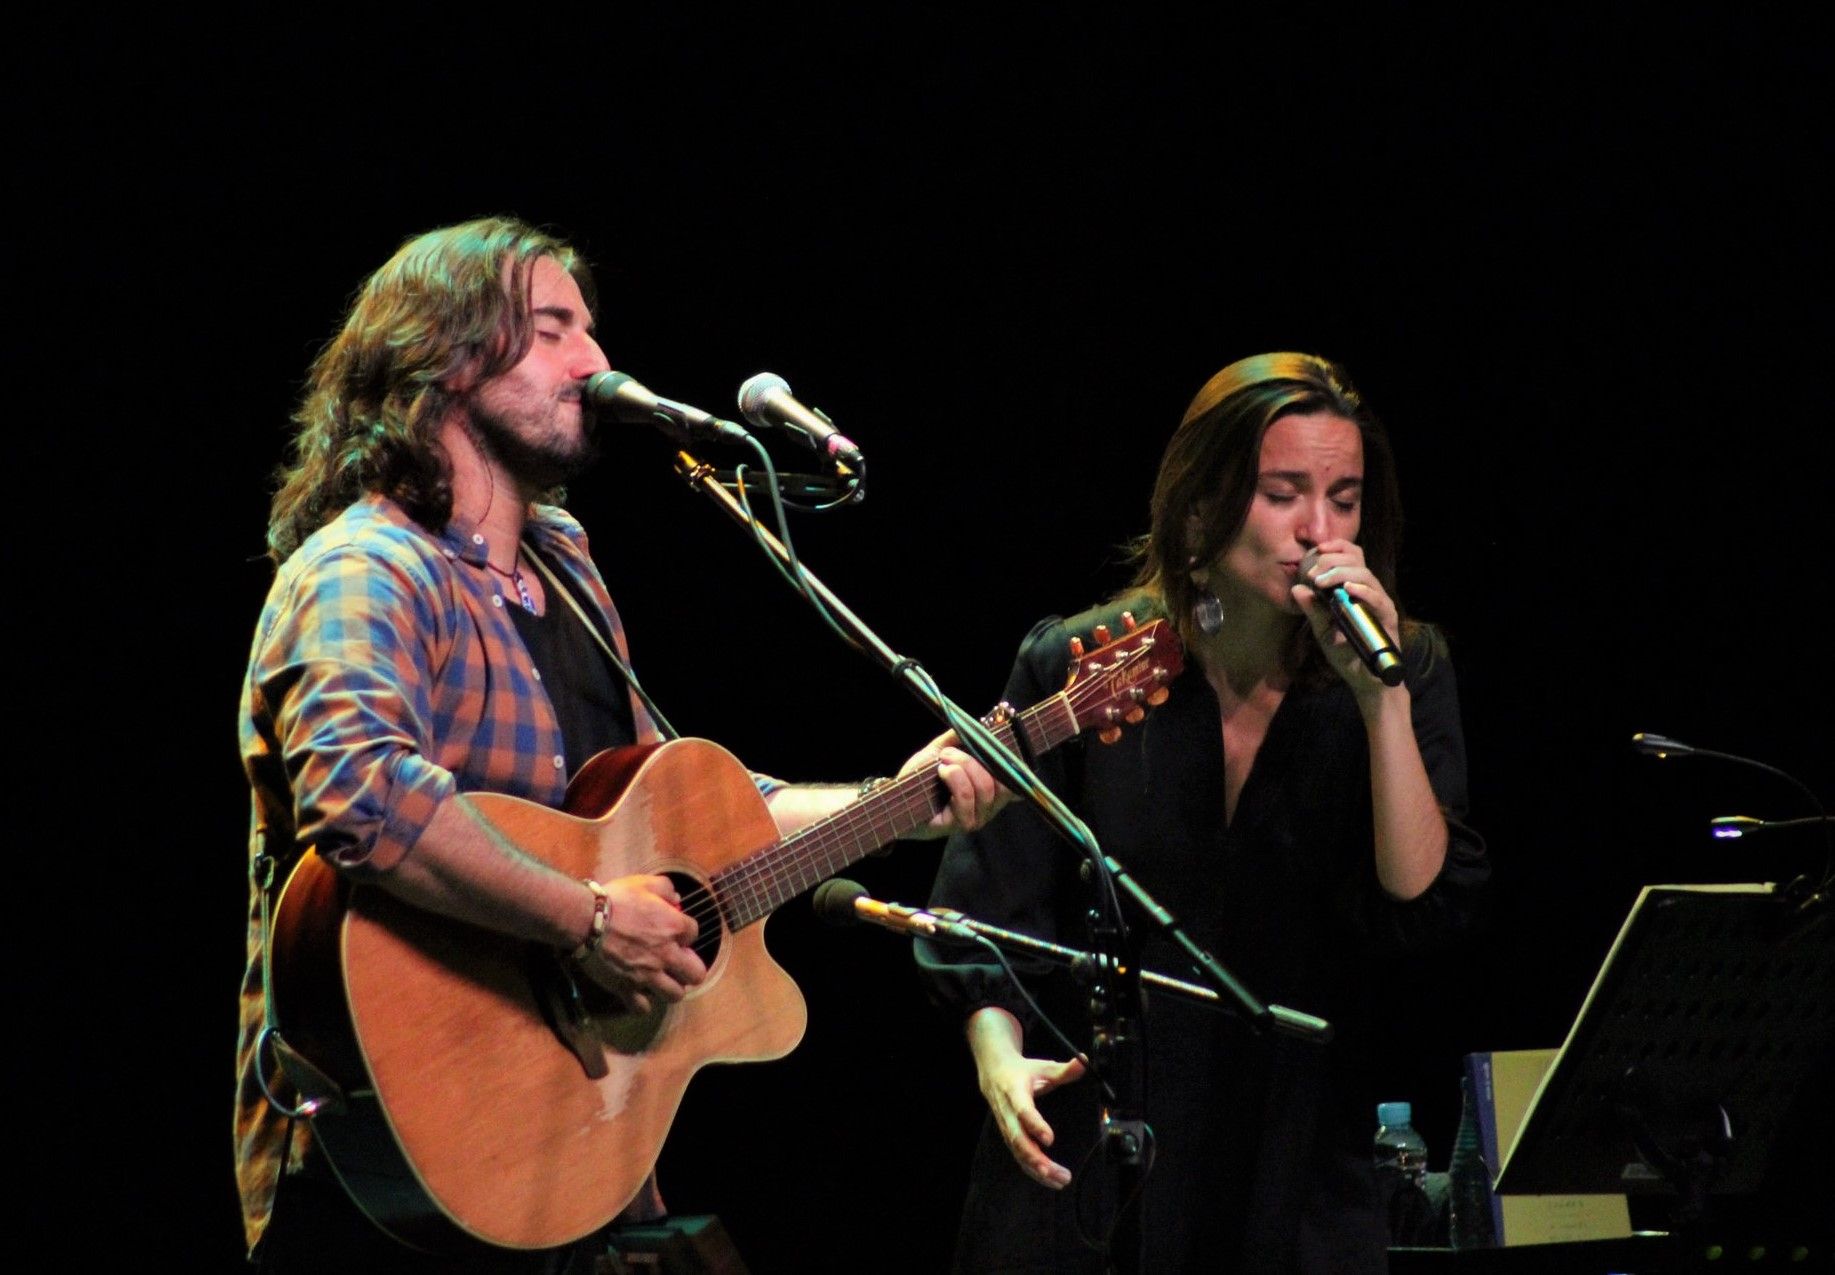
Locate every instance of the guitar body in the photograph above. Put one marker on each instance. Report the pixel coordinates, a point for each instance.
(490, 1095)
(482, 1093)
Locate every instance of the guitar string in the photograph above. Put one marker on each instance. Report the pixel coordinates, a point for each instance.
(813, 847)
(704, 902)
(909, 794)
(815, 859)
(1037, 723)
(812, 850)
(794, 867)
(809, 856)
(792, 861)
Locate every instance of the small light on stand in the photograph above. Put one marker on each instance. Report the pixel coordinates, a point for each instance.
(1804, 894)
(1729, 827)
(1660, 746)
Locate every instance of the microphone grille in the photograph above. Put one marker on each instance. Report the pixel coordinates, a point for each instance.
(620, 395)
(605, 384)
(833, 901)
(752, 396)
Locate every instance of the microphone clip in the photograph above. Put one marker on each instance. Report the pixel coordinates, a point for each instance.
(810, 493)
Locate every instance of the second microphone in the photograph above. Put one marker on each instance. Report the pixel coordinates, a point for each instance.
(766, 401)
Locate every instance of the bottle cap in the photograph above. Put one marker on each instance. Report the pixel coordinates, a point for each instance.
(1392, 1114)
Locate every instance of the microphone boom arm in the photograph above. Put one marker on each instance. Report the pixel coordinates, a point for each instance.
(980, 743)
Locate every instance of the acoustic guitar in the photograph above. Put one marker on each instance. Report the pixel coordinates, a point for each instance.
(474, 1090)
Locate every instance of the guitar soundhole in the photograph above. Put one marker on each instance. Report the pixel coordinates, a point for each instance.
(698, 902)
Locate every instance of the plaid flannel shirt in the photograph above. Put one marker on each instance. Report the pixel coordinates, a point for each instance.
(386, 675)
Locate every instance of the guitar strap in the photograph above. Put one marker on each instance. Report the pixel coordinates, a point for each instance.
(611, 653)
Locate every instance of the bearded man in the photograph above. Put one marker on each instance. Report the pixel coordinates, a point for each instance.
(430, 634)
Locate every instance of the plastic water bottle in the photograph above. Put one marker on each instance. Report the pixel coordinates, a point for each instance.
(1400, 1152)
(1401, 1171)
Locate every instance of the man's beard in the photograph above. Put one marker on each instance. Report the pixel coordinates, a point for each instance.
(536, 466)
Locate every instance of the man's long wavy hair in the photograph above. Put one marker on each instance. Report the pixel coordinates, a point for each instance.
(448, 311)
(1208, 478)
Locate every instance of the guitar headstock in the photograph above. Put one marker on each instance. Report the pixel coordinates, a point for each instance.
(1118, 681)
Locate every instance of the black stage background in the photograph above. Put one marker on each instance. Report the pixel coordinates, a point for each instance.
(1575, 263)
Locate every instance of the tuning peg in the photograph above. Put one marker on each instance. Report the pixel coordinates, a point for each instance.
(1134, 716)
(1159, 695)
(1109, 734)
(1128, 622)
(1101, 634)
(1076, 648)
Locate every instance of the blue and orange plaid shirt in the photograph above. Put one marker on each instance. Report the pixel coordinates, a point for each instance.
(387, 675)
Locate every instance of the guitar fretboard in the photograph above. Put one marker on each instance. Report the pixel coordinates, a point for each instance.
(758, 884)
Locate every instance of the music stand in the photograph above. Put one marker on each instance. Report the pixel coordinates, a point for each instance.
(1713, 1007)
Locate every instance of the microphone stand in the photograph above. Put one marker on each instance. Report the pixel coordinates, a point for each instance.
(960, 928)
(1115, 1003)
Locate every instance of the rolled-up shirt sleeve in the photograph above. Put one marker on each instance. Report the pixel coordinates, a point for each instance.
(1455, 901)
(340, 686)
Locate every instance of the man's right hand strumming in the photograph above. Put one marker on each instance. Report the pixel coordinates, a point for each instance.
(645, 949)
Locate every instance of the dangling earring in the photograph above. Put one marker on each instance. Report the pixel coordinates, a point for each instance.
(1207, 613)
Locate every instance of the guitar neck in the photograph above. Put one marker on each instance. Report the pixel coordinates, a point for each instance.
(758, 884)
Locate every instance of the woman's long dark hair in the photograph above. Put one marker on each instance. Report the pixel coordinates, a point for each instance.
(448, 310)
(1208, 477)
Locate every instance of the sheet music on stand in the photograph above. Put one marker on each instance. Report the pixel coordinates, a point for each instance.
(1714, 1007)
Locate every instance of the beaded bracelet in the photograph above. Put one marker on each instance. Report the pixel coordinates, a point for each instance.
(602, 913)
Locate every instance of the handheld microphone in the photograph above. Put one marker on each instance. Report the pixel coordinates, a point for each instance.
(1365, 634)
(625, 399)
(767, 402)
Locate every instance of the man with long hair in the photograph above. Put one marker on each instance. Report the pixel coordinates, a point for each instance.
(430, 634)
